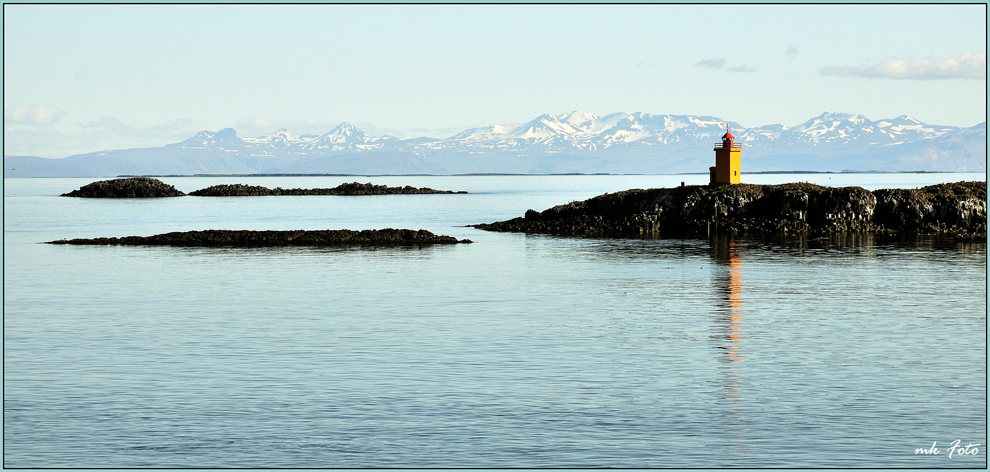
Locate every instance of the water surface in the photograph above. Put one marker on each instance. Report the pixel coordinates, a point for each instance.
(515, 351)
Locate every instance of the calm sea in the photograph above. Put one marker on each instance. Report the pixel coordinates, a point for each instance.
(515, 351)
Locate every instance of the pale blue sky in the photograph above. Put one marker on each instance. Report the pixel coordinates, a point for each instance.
(87, 78)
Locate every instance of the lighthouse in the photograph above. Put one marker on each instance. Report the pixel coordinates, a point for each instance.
(727, 161)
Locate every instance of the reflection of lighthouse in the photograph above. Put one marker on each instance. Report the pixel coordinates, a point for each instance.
(730, 285)
(728, 331)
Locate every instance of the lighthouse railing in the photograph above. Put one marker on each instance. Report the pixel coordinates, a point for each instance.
(723, 146)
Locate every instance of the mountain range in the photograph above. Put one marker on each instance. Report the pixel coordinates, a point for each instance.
(576, 142)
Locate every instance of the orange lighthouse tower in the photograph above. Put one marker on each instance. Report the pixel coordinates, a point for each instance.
(727, 161)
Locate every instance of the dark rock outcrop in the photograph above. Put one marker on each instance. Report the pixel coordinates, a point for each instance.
(936, 208)
(348, 189)
(229, 238)
(958, 208)
(133, 187)
(232, 190)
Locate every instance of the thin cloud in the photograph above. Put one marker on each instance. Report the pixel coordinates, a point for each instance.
(961, 66)
(711, 63)
(36, 115)
(256, 123)
(409, 133)
(113, 125)
(746, 69)
(175, 125)
(68, 139)
(45, 142)
(792, 52)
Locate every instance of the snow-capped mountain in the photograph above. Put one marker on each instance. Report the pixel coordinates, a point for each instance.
(582, 142)
(849, 129)
(220, 140)
(584, 131)
(345, 137)
(281, 139)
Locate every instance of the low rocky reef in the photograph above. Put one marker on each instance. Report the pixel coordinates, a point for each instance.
(146, 187)
(957, 208)
(133, 187)
(232, 238)
(347, 189)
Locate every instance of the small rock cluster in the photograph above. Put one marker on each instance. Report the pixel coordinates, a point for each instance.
(348, 189)
(228, 238)
(957, 208)
(133, 187)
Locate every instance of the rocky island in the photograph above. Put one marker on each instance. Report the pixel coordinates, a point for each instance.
(957, 208)
(347, 189)
(133, 187)
(146, 187)
(233, 238)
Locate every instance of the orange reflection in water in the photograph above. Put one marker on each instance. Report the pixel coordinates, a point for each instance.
(735, 302)
(728, 335)
(727, 253)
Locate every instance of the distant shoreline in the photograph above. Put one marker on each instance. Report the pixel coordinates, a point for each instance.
(496, 174)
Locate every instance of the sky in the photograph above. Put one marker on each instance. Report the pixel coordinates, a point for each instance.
(86, 78)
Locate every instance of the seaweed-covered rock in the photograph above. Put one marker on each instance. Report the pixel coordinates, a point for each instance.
(788, 208)
(229, 238)
(132, 187)
(346, 189)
